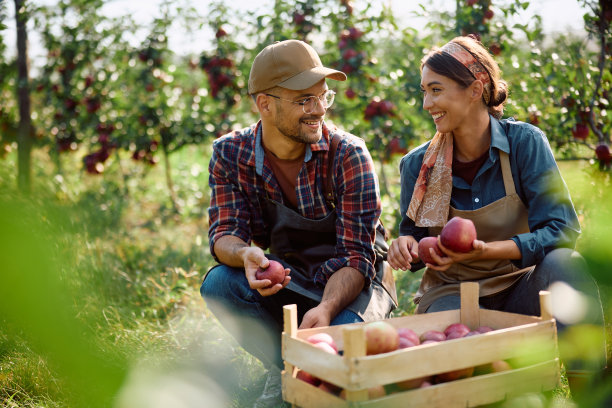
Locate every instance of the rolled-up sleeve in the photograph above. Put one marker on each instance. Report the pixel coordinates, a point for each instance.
(228, 213)
(409, 170)
(358, 210)
(552, 219)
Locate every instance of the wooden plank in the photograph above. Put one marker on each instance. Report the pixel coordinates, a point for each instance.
(305, 395)
(525, 345)
(496, 319)
(354, 347)
(290, 322)
(545, 305)
(474, 391)
(317, 362)
(470, 315)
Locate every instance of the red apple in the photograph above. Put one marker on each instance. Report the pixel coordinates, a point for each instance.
(458, 234)
(456, 330)
(381, 337)
(275, 273)
(322, 337)
(456, 374)
(409, 335)
(329, 387)
(405, 343)
(307, 377)
(580, 131)
(325, 347)
(602, 151)
(413, 383)
(434, 335)
(423, 251)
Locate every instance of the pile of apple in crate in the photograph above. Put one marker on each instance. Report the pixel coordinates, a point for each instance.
(458, 358)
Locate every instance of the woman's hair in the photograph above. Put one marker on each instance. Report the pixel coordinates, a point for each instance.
(445, 64)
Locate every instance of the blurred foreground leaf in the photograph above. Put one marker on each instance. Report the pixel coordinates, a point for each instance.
(36, 304)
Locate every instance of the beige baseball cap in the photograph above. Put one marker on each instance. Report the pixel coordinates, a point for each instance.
(290, 64)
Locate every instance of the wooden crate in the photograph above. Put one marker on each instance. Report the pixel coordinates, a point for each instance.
(530, 342)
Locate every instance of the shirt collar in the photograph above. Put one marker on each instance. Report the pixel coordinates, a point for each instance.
(259, 150)
(499, 139)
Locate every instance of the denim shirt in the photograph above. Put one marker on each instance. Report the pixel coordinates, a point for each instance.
(552, 219)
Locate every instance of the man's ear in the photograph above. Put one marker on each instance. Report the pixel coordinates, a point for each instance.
(263, 102)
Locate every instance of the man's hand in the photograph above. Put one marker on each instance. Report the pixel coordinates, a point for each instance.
(318, 316)
(402, 252)
(253, 258)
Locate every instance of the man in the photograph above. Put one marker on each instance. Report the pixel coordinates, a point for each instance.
(268, 185)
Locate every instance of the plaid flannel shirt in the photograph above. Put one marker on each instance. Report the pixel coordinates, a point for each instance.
(240, 176)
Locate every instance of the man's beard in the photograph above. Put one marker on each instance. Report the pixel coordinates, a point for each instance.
(297, 133)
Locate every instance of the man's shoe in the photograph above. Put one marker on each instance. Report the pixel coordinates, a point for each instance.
(272, 395)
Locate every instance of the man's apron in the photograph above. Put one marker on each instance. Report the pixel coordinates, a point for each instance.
(303, 244)
(498, 221)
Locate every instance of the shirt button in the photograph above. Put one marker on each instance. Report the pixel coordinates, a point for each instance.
(477, 200)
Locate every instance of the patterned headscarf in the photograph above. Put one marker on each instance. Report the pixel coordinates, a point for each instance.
(471, 63)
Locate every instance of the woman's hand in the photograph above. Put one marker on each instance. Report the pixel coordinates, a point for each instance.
(402, 252)
(451, 257)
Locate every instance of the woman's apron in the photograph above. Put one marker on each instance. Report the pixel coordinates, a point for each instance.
(304, 244)
(498, 221)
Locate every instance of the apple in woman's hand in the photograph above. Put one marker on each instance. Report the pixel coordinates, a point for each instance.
(458, 234)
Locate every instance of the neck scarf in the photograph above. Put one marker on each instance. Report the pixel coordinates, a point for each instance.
(430, 201)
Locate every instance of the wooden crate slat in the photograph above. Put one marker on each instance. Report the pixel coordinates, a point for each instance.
(474, 391)
(317, 362)
(303, 394)
(450, 355)
(496, 319)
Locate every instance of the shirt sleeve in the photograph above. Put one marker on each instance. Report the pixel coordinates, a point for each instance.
(358, 209)
(228, 213)
(552, 219)
(409, 170)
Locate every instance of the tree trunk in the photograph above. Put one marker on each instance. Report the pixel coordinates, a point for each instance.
(169, 182)
(24, 135)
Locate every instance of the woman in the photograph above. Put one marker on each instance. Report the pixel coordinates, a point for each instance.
(502, 175)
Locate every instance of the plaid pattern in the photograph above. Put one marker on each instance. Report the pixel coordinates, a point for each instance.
(237, 188)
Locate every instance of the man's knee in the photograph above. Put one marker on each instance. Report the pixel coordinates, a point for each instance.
(223, 281)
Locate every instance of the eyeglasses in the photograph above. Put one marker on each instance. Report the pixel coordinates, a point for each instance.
(309, 103)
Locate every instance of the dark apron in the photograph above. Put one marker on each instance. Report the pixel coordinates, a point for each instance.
(304, 244)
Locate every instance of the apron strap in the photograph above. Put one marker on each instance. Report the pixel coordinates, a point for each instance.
(507, 173)
(327, 186)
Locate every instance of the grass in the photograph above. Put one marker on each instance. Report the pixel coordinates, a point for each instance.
(129, 269)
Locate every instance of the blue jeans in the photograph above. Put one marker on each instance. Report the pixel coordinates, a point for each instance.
(255, 321)
(564, 265)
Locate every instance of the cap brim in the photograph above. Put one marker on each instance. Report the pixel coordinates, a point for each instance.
(306, 79)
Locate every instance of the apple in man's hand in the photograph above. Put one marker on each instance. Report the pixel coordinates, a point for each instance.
(275, 272)
(423, 251)
(458, 234)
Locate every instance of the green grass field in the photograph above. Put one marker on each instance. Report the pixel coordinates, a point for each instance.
(107, 297)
